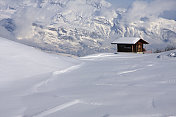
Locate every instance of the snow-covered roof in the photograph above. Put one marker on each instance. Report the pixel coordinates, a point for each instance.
(127, 40)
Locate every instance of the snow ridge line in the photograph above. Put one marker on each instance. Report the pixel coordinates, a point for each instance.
(66, 70)
(130, 71)
(91, 58)
(45, 82)
(57, 108)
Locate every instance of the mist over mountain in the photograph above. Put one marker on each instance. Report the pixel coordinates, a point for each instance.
(81, 27)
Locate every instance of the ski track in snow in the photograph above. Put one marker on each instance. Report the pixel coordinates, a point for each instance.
(45, 82)
(66, 70)
(64, 106)
(150, 65)
(57, 108)
(97, 56)
(92, 103)
(130, 71)
(103, 84)
(171, 81)
(103, 56)
(37, 86)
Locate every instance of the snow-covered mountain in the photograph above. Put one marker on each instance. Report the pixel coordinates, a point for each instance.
(79, 27)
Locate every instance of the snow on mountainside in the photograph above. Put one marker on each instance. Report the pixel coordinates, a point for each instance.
(79, 27)
(37, 84)
(20, 61)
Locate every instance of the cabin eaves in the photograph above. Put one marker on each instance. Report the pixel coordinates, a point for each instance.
(127, 40)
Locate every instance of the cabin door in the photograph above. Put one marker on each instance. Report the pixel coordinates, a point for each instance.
(133, 48)
(139, 47)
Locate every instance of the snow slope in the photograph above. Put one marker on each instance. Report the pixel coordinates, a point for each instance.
(81, 27)
(99, 85)
(29, 61)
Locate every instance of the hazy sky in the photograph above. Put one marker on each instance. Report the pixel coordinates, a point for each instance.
(169, 14)
(122, 3)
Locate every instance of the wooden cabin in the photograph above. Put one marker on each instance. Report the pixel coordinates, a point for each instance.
(130, 44)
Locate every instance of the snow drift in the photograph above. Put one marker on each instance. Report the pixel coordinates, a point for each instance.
(82, 27)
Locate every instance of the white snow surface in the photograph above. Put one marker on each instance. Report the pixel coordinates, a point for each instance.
(84, 27)
(128, 40)
(37, 84)
(30, 62)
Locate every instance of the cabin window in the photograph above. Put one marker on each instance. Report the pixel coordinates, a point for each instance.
(125, 48)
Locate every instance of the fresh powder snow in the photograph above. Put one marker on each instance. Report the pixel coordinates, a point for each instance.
(38, 84)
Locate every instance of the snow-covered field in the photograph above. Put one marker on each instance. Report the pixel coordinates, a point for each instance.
(37, 84)
(83, 27)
